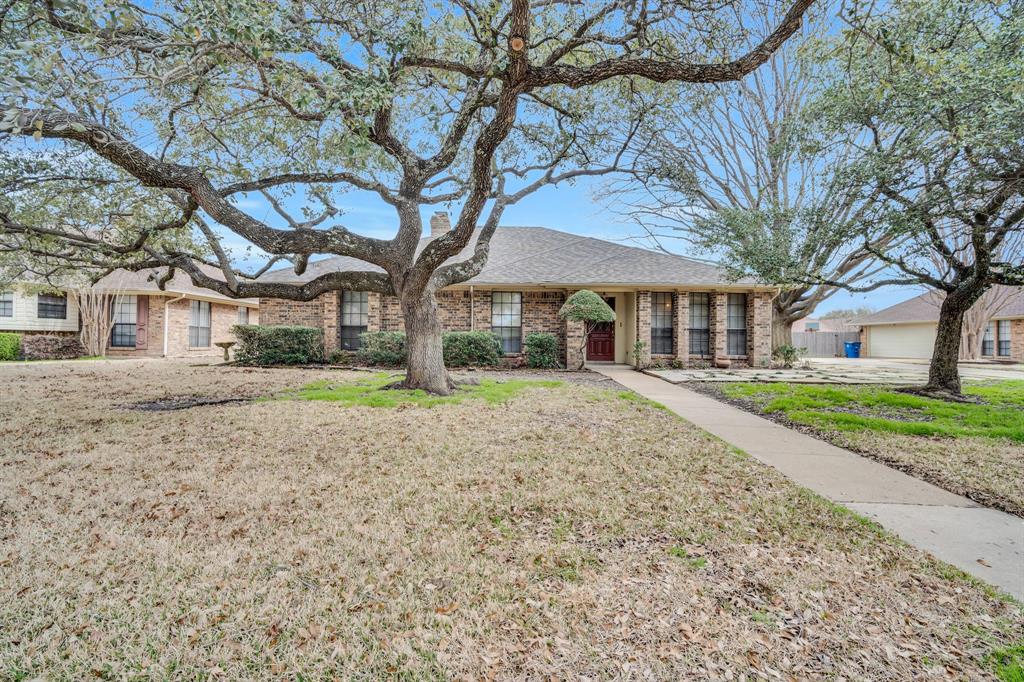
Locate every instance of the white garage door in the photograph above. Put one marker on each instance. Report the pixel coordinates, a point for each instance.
(902, 341)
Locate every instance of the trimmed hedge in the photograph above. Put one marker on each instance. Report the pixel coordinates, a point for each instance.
(541, 350)
(10, 346)
(50, 347)
(462, 349)
(278, 345)
(382, 348)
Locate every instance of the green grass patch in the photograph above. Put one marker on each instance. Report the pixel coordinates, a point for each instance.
(1008, 663)
(875, 408)
(633, 397)
(370, 392)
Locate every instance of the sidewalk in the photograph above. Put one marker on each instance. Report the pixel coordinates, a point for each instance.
(951, 527)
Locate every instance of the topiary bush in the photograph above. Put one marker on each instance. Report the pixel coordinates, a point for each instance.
(50, 347)
(278, 345)
(462, 349)
(10, 346)
(382, 348)
(541, 350)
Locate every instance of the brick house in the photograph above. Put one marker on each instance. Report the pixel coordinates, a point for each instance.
(182, 320)
(682, 309)
(908, 329)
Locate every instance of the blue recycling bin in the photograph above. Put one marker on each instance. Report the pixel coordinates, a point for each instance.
(852, 349)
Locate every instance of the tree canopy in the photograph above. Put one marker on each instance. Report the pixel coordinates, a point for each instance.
(190, 109)
(932, 92)
(586, 306)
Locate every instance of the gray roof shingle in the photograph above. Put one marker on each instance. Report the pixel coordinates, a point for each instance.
(925, 308)
(539, 256)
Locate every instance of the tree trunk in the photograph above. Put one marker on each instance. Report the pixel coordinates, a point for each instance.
(943, 373)
(782, 331)
(425, 366)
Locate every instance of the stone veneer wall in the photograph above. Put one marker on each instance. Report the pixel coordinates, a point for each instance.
(1017, 340)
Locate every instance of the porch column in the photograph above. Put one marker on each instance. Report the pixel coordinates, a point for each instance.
(759, 328)
(643, 326)
(573, 331)
(680, 326)
(719, 301)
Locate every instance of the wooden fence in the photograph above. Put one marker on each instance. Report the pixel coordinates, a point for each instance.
(824, 344)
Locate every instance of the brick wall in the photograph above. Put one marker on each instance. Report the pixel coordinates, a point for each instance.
(223, 316)
(1017, 340)
(719, 301)
(460, 312)
(643, 325)
(759, 328)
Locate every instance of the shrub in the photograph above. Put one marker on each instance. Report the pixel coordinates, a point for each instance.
(541, 350)
(10, 346)
(382, 348)
(482, 349)
(788, 355)
(278, 345)
(50, 347)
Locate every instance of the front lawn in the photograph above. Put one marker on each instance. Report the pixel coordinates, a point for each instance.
(518, 530)
(967, 448)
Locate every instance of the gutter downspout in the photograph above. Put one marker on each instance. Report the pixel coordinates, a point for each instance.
(167, 318)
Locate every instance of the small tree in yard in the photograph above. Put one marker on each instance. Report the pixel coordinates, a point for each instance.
(933, 90)
(590, 309)
(244, 121)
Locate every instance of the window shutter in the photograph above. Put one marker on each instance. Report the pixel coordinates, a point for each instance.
(142, 322)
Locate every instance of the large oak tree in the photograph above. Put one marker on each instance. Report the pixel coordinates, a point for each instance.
(740, 172)
(933, 92)
(183, 109)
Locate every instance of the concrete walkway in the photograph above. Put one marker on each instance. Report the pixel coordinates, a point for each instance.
(986, 543)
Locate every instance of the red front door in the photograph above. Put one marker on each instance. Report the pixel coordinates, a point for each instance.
(601, 342)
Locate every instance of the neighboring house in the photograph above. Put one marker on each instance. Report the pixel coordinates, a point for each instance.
(180, 320)
(907, 330)
(682, 309)
(824, 324)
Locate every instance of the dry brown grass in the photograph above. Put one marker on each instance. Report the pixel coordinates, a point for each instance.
(987, 470)
(567, 533)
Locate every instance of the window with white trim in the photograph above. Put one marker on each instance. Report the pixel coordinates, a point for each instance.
(662, 314)
(1004, 338)
(736, 324)
(988, 341)
(700, 324)
(243, 315)
(52, 307)
(6, 304)
(199, 323)
(355, 317)
(124, 311)
(507, 319)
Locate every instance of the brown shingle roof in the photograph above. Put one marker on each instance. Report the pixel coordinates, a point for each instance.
(180, 285)
(538, 256)
(925, 308)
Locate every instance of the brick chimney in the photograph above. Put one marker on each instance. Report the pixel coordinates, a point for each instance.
(440, 223)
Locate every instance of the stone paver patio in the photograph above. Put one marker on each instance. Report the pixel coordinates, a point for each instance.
(843, 371)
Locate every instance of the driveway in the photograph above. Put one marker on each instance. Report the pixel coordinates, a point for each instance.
(845, 371)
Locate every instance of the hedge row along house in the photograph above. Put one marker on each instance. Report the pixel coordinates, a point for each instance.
(682, 309)
(181, 320)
